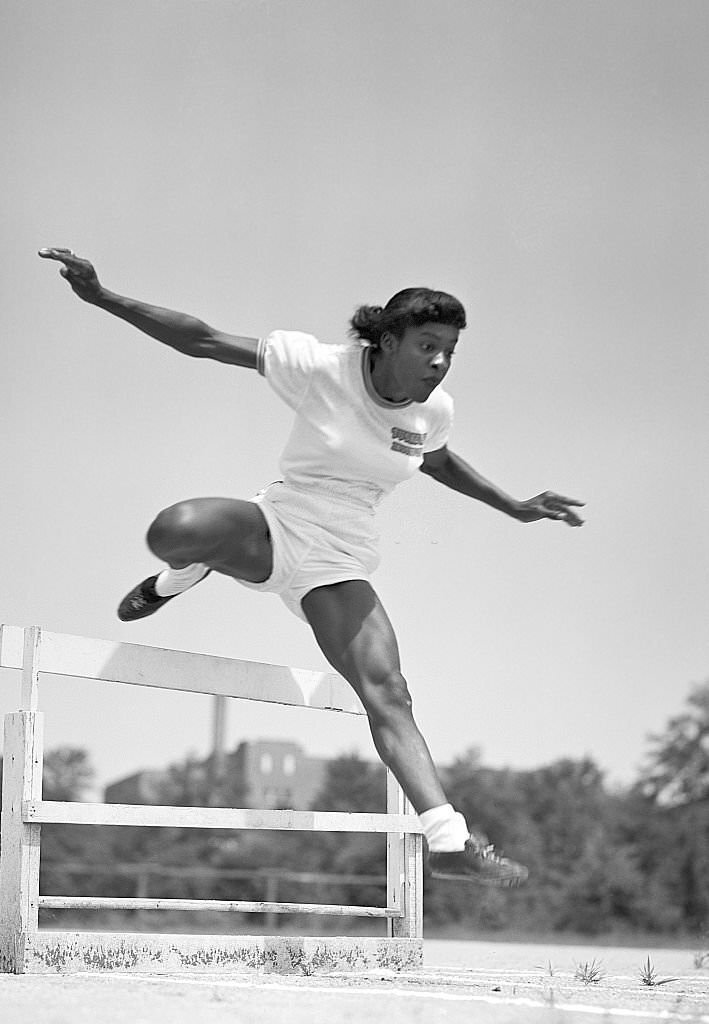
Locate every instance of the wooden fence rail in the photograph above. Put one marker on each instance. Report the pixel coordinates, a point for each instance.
(26, 948)
(270, 878)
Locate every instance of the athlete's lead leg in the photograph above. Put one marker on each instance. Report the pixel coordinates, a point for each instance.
(355, 634)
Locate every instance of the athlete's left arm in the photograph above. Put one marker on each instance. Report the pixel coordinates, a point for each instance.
(450, 469)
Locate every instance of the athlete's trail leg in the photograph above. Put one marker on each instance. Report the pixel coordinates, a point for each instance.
(355, 635)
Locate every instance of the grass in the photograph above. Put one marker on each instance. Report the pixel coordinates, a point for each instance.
(648, 975)
(590, 972)
(548, 968)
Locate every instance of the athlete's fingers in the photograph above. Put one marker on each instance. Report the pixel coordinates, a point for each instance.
(555, 506)
(63, 255)
(564, 501)
(572, 519)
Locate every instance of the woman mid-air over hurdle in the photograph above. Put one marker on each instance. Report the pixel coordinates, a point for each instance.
(369, 413)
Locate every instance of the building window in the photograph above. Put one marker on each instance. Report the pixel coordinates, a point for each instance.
(266, 764)
(289, 765)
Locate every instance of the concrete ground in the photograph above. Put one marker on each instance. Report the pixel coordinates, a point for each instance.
(471, 982)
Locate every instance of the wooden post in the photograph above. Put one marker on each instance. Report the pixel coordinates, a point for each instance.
(19, 842)
(404, 870)
(30, 669)
(216, 761)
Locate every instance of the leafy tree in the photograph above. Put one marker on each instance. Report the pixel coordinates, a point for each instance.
(677, 769)
(603, 890)
(67, 774)
(672, 840)
(352, 784)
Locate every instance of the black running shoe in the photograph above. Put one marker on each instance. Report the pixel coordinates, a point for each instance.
(141, 601)
(478, 862)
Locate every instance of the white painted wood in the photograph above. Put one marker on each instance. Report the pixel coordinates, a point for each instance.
(413, 846)
(404, 867)
(228, 906)
(19, 840)
(55, 811)
(69, 952)
(30, 668)
(35, 651)
(395, 879)
(11, 646)
(395, 849)
(138, 665)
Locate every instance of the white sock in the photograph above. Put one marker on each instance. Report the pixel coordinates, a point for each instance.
(174, 581)
(445, 829)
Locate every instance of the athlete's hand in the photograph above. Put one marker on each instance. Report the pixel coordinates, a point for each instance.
(78, 272)
(549, 506)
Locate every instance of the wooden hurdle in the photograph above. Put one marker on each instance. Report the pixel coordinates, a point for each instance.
(24, 948)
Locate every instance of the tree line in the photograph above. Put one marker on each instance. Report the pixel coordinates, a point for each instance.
(601, 860)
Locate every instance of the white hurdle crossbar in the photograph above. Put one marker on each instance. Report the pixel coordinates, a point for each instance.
(24, 948)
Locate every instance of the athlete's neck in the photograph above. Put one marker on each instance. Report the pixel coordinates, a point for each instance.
(382, 378)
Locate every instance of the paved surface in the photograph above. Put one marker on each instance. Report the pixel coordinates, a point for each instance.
(475, 983)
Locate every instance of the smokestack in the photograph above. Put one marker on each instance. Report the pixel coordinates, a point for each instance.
(216, 764)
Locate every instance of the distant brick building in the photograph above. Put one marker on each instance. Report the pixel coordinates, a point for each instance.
(277, 773)
(141, 788)
(271, 773)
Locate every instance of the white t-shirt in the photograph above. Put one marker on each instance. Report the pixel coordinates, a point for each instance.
(347, 443)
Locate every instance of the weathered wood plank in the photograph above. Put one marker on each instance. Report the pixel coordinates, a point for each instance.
(413, 849)
(159, 954)
(404, 868)
(139, 665)
(394, 851)
(30, 669)
(11, 646)
(223, 906)
(19, 841)
(55, 811)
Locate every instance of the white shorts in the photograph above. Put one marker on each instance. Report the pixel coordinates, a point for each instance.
(316, 541)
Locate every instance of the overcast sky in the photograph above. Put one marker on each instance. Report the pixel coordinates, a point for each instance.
(274, 163)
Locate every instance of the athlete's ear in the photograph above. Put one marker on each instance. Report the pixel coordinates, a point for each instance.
(388, 342)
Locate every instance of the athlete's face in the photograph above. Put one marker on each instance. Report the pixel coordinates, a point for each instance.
(419, 360)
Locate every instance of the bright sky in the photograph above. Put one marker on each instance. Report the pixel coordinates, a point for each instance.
(274, 163)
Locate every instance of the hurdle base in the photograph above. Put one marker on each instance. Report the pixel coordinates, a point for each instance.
(68, 952)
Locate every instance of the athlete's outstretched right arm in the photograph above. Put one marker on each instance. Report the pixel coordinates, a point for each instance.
(178, 330)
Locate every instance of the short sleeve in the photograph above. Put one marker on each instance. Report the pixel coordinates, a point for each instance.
(287, 360)
(441, 423)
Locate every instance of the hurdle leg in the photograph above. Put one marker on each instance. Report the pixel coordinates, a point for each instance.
(404, 870)
(19, 842)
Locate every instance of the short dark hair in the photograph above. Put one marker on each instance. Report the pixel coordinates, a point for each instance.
(411, 307)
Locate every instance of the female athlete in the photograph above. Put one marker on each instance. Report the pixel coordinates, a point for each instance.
(368, 414)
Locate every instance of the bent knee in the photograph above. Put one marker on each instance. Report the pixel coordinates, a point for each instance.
(386, 696)
(175, 527)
